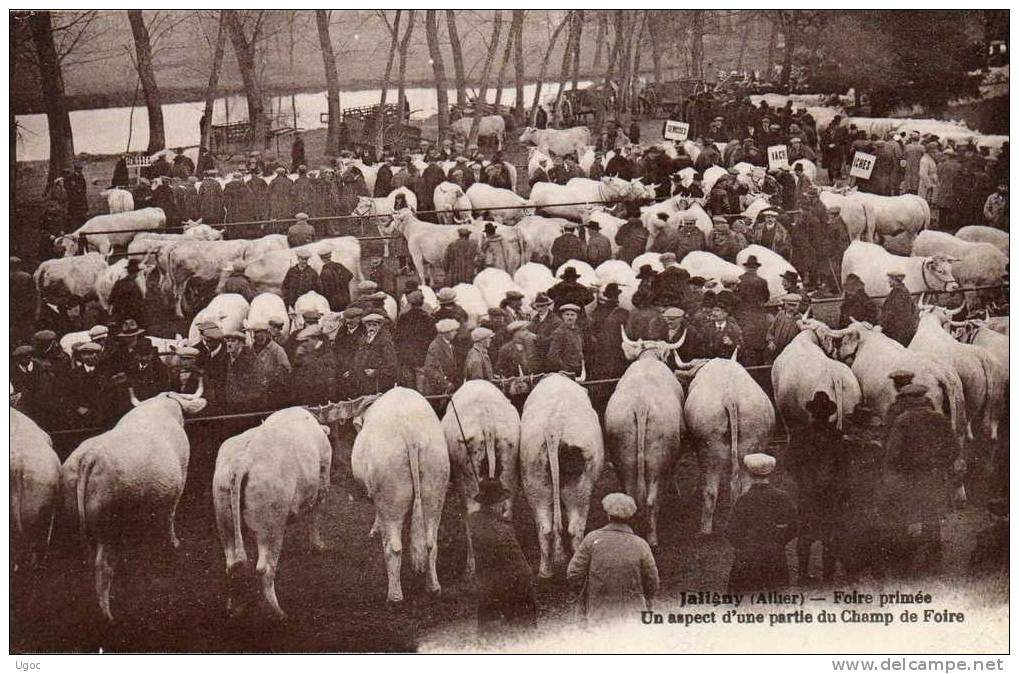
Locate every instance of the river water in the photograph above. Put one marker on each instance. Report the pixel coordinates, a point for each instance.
(106, 130)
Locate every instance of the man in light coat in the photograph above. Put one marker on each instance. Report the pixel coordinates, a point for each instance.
(614, 566)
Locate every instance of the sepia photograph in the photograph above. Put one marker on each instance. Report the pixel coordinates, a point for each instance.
(555, 331)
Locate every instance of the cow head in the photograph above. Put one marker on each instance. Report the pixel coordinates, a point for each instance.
(852, 337)
(616, 189)
(397, 223)
(65, 246)
(527, 135)
(190, 403)
(648, 348)
(939, 268)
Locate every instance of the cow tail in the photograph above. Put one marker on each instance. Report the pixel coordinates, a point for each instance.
(237, 484)
(733, 414)
(840, 399)
(418, 539)
(952, 395)
(993, 393)
(640, 416)
(490, 452)
(84, 471)
(552, 450)
(869, 225)
(17, 489)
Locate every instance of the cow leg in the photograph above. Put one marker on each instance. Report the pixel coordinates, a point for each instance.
(105, 560)
(576, 497)
(543, 521)
(471, 567)
(709, 495)
(432, 543)
(652, 512)
(392, 547)
(419, 265)
(270, 543)
(315, 527)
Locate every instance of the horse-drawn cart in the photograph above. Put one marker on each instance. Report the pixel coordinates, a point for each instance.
(359, 128)
(233, 139)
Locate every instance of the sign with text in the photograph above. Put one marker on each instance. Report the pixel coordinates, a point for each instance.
(136, 163)
(676, 130)
(863, 165)
(778, 157)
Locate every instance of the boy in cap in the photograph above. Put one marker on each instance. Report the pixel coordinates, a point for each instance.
(899, 315)
(566, 345)
(518, 356)
(478, 364)
(505, 585)
(440, 369)
(763, 520)
(614, 565)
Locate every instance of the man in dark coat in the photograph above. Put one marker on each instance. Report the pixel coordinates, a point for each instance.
(461, 174)
(212, 360)
(632, 237)
(375, 367)
(441, 373)
(414, 332)
(383, 181)
(236, 282)
(335, 280)
(164, 197)
(345, 346)
(120, 178)
(142, 194)
(567, 246)
(236, 200)
(619, 167)
(77, 196)
(126, 299)
(605, 335)
(313, 380)
(543, 324)
(722, 335)
(206, 162)
(302, 194)
(751, 296)
(210, 200)
(460, 260)
(431, 177)
(598, 248)
(671, 285)
(33, 380)
(148, 375)
(300, 278)
(762, 522)
(297, 152)
(569, 290)
(856, 305)
(188, 199)
(566, 344)
(505, 584)
(258, 190)
(899, 315)
(281, 191)
(688, 238)
(85, 389)
(301, 233)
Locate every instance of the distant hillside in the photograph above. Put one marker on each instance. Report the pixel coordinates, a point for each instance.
(360, 39)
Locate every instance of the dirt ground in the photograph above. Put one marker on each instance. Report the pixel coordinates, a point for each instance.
(174, 601)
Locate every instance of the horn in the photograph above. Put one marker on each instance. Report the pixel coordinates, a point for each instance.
(735, 352)
(920, 303)
(957, 311)
(987, 314)
(680, 342)
(627, 340)
(806, 314)
(134, 399)
(197, 394)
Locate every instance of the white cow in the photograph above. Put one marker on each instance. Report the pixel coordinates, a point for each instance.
(118, 199)
(586, 271)
(894, 215)
(558, 141)
(451, 202)
(533, 278)
(856, 215)
(370, 207)
(128, 481)
(710, 267)
(266, 478)
(728, 416)
(228, 311)
(984, 234)
(309, 301)
(482, 430)
(34, 490)
(470, 299)
(267, 271)
(504, 206)
(266, 307)
(539, 233)
(561, 456)
(772, 267)
(401, 458)
(494, 283)
(974, 265)
(122, 225)
(871, 263)
(535, 156)
(113, 273)
(582, 192)
(490, 125)
(76, 275)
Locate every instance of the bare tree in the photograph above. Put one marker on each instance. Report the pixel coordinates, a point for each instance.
(697, 43)
(245, 51)
(571, 17)
(656, 49)
(438, 70)
(599, 39)
(458, 59)
(401, 93)
(52, 80)
(576, 49)
(210, 89)
(393, 42)
(479, 104)
(518, 108)
(748, 17)
(332, 82)
(613, 57)
(544, 66)
(147, 77)
(510, 37)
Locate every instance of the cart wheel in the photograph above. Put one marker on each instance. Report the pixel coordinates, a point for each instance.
(394, 136)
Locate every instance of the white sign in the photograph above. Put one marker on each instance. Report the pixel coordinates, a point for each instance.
(863, 165)
(676, 130)
(778, 157)
(139, 160)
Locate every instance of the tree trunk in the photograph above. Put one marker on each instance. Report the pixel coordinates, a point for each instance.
(576, 49)
(479, 104)
(599, 39)
(401, 95)
(210, 89)
(380, 118)
(743, 43)
(518, 108)
(511, 36)
(616, 49)
(788, 32)
(245, 53)
(438, 70)
(772, 39)
(638, 53)
(458, 59)
(623, 97)
(143, 48)
(567, 50)
(697, 43)
(52, 81)
(544, 65)
(332, 83)
(656, 50)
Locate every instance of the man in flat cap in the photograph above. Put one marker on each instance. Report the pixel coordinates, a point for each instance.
(721, 335)
(301, 233)
(440, 369)
(414, 333)
(345, 343)
(478, 364)
(784, 328)
(763, 520)
(33, 379)
(300, 279)
(615, 566)
(899, 315)
(86, 390)
(375, 368)
(566, 344)
(281, 196)
(271, 369)
(313, 380)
